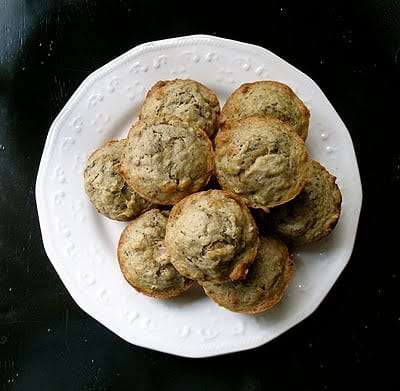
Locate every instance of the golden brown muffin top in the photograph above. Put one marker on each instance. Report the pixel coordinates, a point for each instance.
(211, 236)
(186, 99)
(166, 159)
(313, 214)
(107, 189)
(267, 97)
(265, 283)
(143, 257)
(260, 159)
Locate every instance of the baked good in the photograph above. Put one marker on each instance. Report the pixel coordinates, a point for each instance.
(107, 189)
(187, 99)
(166, 159)
(260, 159)
(143, 257)
(211, 236)
(268, 97)
(313, 214)
(265, 284)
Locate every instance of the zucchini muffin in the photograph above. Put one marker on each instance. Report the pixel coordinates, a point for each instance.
(265, 284)
(262, 160)
(313, 214)
(270, 98)
(187, 99)
(166, 159)
(143, 257)
(211, 236)
(107, 189)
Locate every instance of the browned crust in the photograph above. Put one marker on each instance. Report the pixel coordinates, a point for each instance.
(96, 151)
(242, 90)
(154, 90)
(286, 278)
(224, 135)
(165, 296)
(157, 91)
(330, 220)
(337, 207)
(109, 142)
(87, 168)
(207, 175)
(125, 273)
(240, 269)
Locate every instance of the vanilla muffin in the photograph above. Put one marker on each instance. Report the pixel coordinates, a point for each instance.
(107, 189)
(265, 284)
(270, 98)
(166, 159)
(262, 160)
(211, 236)
(186, 99)
(143, 257)
(313, 214)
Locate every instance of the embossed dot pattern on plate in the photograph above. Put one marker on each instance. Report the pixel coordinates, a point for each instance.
(81, 244)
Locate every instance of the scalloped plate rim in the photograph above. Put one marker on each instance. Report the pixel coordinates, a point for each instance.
(82, 301)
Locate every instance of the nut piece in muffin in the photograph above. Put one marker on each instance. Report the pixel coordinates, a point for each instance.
(211, 236)
(107, 189)
(260, 159)
(186, 99)
(265, 284)
(143, 257)
(166, 159)
(313, 214)
(267, 97)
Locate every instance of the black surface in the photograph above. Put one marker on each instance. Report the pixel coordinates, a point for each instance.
(351, 49)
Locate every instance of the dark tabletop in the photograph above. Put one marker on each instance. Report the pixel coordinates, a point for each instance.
(350, 48)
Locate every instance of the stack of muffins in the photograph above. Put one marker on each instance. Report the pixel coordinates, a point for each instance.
(214, 196)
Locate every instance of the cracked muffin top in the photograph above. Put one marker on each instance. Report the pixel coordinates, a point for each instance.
(265, 283)
(261, 159)
(267, 97)
(143, 257)
(313, 214)
(211, 236)
(186, 99)
(107, 189)
(166, 159)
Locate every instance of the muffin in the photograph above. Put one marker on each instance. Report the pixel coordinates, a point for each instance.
(260, 159)
(186, 99)
(271, 98)
(211, 236)
(313, 214)
(166, 159)
(143, 257)
(107, 189)
(265, 284)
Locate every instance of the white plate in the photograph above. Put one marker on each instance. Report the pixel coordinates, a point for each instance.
(81, 244)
